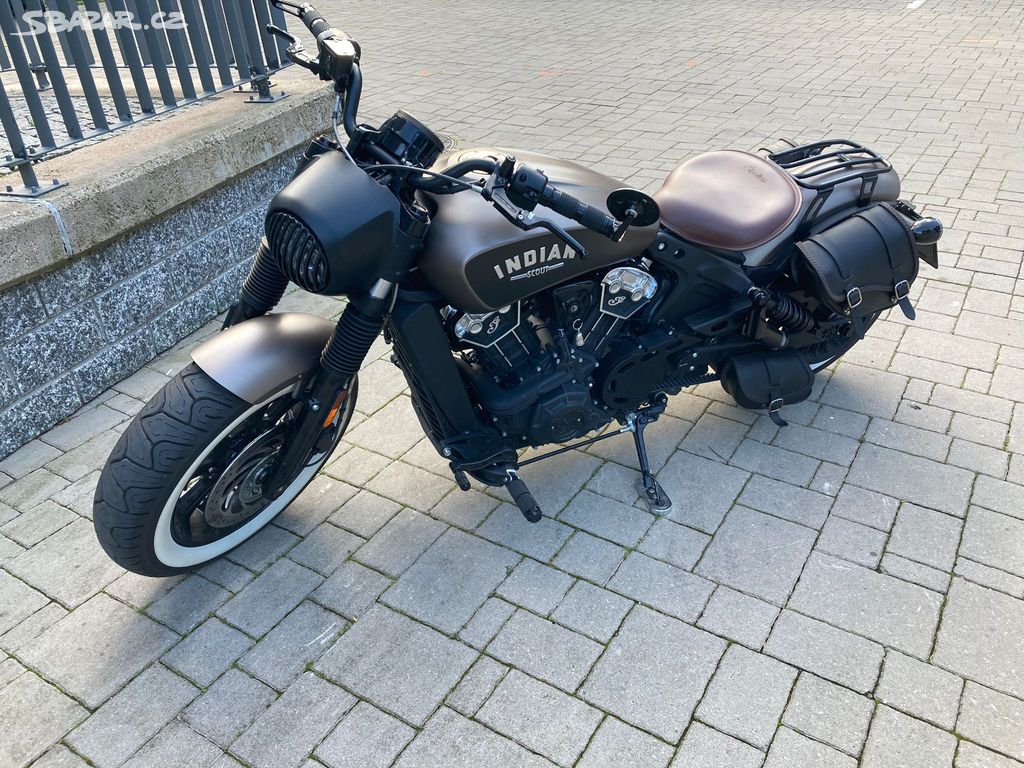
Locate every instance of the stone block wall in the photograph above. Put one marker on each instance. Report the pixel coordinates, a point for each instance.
(67, 335)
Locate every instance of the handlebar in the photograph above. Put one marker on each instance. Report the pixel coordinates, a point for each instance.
(513, 190)
(313, 19)
(590, 217)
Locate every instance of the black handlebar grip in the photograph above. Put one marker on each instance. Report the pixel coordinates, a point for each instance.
(524, 500)
(590, 217)
(313, 20)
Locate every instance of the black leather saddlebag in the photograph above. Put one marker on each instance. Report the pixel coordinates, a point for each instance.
(767, 380)
(862, 265)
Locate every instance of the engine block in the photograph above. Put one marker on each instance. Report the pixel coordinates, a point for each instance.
(531, 363)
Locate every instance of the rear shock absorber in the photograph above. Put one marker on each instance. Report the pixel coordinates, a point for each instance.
(782, 310)
(262, 290)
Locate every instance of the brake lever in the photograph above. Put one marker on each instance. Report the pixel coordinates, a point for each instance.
(295, 51)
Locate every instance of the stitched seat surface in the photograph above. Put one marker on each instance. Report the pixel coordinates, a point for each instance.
(729, 200)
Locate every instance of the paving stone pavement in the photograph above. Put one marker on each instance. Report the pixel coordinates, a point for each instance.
(849, 590)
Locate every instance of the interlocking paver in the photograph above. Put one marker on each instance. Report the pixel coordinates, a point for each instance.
(747, 695)
(478, 684)
(972, 756)
(365, 513)
(402, 666)
(303, 635)
(739, 617)
(132, 717)
(893, 612)
(87, 572)
(283, 735)
(925, 419)
(785, 500)
(397, 545)
(995, 540)
(896, 739)
(451, 580)
(35, 715)
(654, 672)
(455, 742)
(675, 544)
(176, 746)
(708, 487)
(268, 599)
(792, 750)
(545, 650)
(534, 586)
(486, 622)
(829, 713)
(541, 540)
(992, 719)
(325, 548)
(851, 541)
(758, 554)
(31, 527)
(351, 590)
(97, 648)
(188, 604)
(662, 586)
(615, 744)
(921, 690)
(867, 507)
(18, 601)
(207, 652)
(592, 611)
(994, 657)
(540, 717)
(590, 557)
(228, 707)
(913, 479)
(926, 536)
(612, 520)
(365, 738)
(820, 648)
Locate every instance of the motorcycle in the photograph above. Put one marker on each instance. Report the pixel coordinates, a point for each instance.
(574, 303)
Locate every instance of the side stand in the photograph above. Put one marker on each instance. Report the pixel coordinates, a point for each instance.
(654, 495)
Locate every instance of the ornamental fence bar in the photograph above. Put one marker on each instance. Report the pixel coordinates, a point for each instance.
(71, 70)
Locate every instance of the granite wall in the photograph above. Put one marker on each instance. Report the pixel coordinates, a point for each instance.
(67, 335)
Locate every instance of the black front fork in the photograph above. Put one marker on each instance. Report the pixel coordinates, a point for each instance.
(262, 290)
(324, 397)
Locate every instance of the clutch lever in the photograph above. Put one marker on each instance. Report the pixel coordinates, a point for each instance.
(494, 191)
(527, 220)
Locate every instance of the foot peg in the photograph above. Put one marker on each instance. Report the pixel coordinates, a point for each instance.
(523, 498)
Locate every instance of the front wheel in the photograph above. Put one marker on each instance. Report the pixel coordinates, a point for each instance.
(183, 485)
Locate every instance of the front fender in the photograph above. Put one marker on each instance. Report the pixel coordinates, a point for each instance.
(258, 357)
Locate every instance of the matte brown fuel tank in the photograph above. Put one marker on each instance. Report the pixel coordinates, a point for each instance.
(480, 262)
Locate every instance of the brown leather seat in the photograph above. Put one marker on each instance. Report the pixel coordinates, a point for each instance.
(729, 200)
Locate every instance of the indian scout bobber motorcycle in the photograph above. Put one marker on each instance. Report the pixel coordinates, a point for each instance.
(528, 300)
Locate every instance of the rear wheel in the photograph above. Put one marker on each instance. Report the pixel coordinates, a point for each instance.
(822, 355)
(184, 484)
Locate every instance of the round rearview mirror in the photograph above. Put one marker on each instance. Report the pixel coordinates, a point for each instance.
(633, 207)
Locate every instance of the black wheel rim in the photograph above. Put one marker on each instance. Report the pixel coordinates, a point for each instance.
(236, 496)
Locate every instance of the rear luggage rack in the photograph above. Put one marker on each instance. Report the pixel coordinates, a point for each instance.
(825, 165)
(847, 154)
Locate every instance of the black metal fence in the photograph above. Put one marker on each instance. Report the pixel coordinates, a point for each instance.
(74, 69)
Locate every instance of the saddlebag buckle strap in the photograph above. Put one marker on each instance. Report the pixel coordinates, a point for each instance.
(854, 297)
(902, 292)
(773, 412)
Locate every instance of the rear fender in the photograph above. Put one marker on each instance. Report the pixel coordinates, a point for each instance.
(259, 357)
